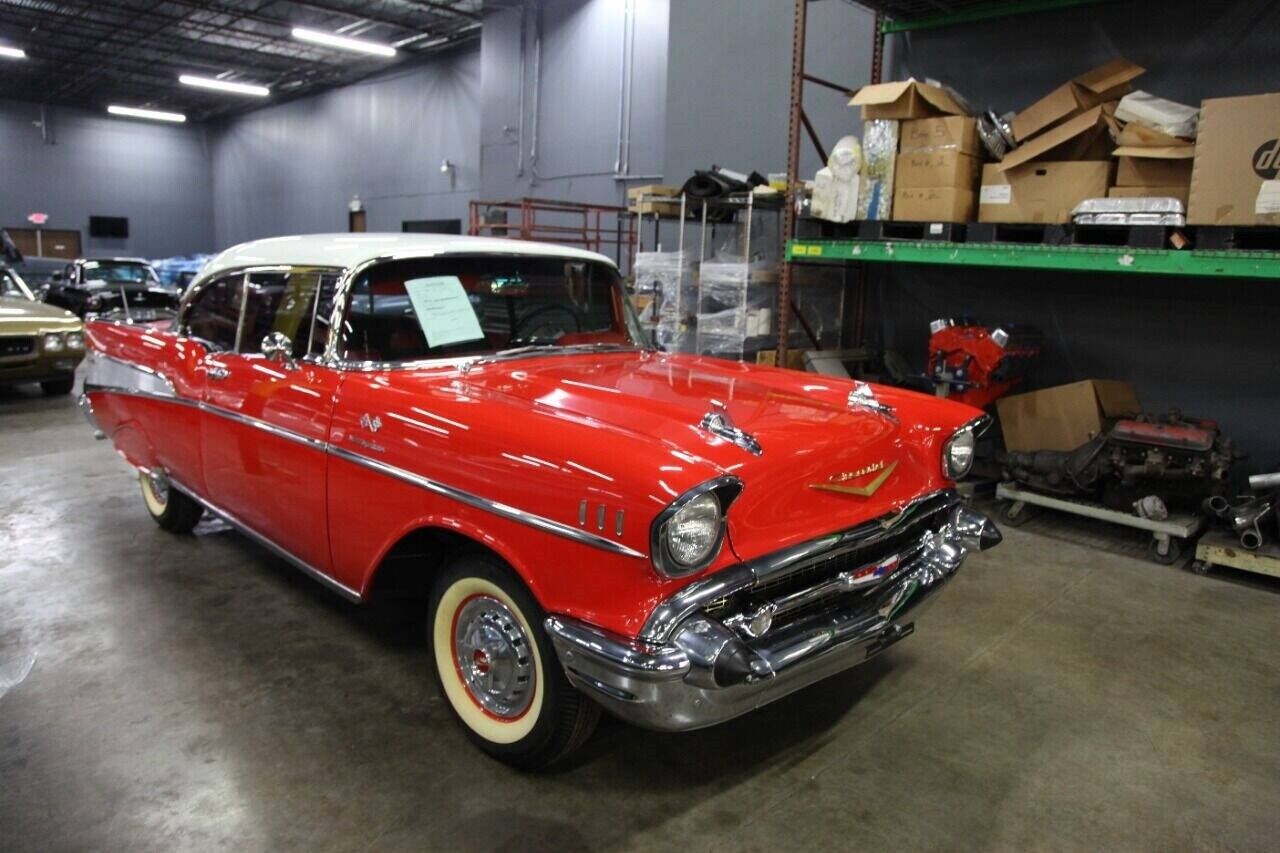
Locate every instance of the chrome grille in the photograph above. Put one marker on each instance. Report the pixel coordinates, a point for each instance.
(12, 347)
(902, 543)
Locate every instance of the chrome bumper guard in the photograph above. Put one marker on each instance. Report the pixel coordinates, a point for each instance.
(710, 671)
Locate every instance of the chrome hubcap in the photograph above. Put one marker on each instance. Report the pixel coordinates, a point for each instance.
(493, 657)
(159, 487)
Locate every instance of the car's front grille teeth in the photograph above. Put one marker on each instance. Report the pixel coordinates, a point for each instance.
(12, 347)
(901, 543)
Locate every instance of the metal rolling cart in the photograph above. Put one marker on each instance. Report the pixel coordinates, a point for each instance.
(1168, 536)
(1219, 548)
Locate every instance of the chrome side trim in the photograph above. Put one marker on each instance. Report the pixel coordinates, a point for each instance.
(299, 563)
(500, 509)
(106, 371)
(671, 612)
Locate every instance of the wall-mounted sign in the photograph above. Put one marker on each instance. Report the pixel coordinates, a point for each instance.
(37, 218)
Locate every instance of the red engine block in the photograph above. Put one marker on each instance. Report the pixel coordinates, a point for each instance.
(979, 364)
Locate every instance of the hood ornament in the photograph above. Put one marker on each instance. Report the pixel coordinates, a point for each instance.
(862, 397)
(719, 423)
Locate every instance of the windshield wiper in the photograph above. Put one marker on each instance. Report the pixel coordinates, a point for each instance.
(546, 349)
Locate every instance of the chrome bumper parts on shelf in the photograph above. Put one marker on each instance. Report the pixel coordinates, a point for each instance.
(709, 669)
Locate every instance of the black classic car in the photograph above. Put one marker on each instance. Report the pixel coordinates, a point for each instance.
(129, 286)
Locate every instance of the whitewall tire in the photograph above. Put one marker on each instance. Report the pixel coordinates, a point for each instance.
(497, 670)
(171, 509)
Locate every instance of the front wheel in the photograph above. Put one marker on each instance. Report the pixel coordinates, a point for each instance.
(497, 669)
(171, 509)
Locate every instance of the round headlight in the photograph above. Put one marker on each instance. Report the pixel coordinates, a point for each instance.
(957, 454)
(52, 342)
(693, 531)
(75, 340)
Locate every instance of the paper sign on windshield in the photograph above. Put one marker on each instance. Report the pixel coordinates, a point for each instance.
(444, 311)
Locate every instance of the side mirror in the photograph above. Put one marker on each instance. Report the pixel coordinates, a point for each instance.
(278, 348)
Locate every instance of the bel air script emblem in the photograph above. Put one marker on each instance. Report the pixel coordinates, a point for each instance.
(839, 482)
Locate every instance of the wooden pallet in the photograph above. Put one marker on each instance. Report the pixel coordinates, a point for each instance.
(1248, 238)
(943, 232)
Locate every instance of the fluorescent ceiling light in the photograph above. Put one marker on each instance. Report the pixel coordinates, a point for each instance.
(134, 112)
(343, 42)
(12, 52)
(224, 85)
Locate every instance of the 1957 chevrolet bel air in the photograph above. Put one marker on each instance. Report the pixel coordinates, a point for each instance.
(591, 523)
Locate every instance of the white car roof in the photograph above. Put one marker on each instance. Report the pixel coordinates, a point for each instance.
(348, 250)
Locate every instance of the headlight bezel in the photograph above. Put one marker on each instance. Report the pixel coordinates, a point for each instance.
(970, 430)
(73, 340)
(58, 339)
(725, 491)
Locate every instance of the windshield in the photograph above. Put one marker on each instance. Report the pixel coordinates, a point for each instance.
(11, 285)
(476, 305)
(119, 272)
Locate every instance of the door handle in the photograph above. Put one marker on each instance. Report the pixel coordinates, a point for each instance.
(218, 371)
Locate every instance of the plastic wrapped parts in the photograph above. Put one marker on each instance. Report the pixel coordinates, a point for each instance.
(669, 279)
(736, 306)
(879, 154)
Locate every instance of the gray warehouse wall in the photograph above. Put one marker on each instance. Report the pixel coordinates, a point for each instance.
(293, 168)
(550, 113)
(156, 175)
(1204, 345)
(728, 83)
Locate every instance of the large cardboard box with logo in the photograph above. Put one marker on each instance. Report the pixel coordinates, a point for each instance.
(1066, 416)
(1236, 179)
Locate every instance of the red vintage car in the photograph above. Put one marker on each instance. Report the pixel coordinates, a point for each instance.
(591, 523)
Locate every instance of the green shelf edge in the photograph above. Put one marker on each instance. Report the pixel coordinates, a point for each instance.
(977, 14)
(1096, 259)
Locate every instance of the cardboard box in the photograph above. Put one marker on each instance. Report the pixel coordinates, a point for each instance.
(650, 207)
(1181, 193)
(1041, 192)
(905, 99)
(1153, 172)
(1064, 417)
(937, 169)
(769, 358)
(934, 204)
(1085, 137)
(1105, 83)
(1237, 163)
(949, 133)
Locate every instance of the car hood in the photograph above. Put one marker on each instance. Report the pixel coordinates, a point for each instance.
(23, 317)
(810, 438)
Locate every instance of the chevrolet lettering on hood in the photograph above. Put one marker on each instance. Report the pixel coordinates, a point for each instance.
(839, 482)
(583, 522)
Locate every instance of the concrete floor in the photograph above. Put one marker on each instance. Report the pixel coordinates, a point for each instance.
(192, 693)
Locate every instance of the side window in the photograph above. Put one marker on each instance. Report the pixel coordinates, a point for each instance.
(296, 304)
(214, 316)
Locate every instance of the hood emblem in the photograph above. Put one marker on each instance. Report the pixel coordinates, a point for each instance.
(862, 397)
(719, 423)
(839, 482)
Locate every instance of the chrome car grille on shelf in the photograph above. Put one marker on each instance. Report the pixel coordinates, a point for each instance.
(12, 347)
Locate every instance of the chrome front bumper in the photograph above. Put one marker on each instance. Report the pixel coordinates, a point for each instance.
(706, 672)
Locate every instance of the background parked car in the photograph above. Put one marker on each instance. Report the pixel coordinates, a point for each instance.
(99, 285)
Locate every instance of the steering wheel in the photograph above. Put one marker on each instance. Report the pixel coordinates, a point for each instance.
(546, 323)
